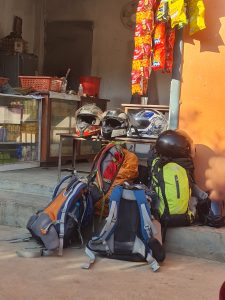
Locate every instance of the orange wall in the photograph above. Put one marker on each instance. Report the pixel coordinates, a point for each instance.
(202, 107)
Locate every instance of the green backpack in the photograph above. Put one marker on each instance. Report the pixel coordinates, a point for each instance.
(171, 182)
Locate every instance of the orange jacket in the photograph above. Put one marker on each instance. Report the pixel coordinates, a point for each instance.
(127, 172)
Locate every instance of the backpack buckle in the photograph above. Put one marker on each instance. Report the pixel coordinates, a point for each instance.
(114, 220)
(147, 227)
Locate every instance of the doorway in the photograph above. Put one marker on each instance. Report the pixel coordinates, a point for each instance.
(68, 44)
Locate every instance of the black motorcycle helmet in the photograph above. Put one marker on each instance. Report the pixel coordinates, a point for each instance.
(115, 123)
(174, 144)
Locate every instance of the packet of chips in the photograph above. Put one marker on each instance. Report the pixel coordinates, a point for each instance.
(159, 53)
(162, 11)
(159, 35)
(158, 62)
(143, 4)
(143, 46)
(177, 13)
(196, 15)
(170, 40)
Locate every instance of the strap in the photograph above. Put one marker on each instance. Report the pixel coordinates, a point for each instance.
(158, 173)
(99, 177)
(97, 158)
(113, 213)
(141, 248)
(91, 261)
(76, 190)
(152, 262)
(147, 227)
(56, 189)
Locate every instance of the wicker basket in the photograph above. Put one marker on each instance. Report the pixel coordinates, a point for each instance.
(37, 83)
(56, 84)
(41, 83)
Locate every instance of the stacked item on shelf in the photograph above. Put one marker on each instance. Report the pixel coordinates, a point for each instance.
(156, 24)
(18, 130)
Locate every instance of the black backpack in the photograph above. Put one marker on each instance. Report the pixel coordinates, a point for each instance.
(130, 231)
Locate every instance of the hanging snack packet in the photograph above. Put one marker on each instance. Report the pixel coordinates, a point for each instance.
(143, 45)
(159, 35)
(158, 62)
(197, 16)
(177, 13)
(142, 4)
(138, 54)
(159, 52)
(162, 11)
(170, 40)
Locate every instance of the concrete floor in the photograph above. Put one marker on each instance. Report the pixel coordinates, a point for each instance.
(53, 278)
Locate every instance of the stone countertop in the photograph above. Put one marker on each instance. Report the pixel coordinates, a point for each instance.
(64, 96)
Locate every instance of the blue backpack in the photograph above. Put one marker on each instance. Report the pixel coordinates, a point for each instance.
(60, 223)
(130, 230)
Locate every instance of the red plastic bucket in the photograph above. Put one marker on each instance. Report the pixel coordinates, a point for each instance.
(91, 85)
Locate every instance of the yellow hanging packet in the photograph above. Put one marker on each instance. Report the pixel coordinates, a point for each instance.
(177, 13)
(197, 16)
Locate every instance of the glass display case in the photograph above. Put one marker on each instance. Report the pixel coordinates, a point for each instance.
(19, 130)
(58, 116)
(62, 121)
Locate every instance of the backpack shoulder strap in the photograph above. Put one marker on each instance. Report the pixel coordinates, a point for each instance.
(158, 173)
(95, 169)
(147, 227)
(76, 190)
(109, 227)
(114, 204)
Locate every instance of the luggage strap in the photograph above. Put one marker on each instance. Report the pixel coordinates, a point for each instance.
(79, 186)
(147, 227)
(109, 227)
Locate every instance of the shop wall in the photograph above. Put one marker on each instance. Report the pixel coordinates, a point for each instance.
(202, 112)
(112, 44)
(32, 13)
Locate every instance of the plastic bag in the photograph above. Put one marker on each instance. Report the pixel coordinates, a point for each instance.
(197, 16)
(177, 13)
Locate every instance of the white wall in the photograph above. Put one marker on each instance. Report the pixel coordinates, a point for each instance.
(163, 87)
(112, 45)
(31, 11)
